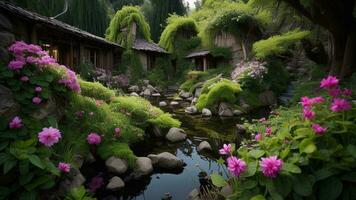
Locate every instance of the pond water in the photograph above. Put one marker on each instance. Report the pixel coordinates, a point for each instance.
(215, 130)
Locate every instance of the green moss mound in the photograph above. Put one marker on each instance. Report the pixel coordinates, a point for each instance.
(120, 150)
(222, 90)
(96, 90)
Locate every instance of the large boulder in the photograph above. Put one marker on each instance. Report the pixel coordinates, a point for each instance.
(191, 110)
(116, 165)
(176, 135)
(143, 167)
(5, 24)
(115, 183)
(204, 146)
(4, 55)
(238, 112)
(6, 39)
(197, 91)
(8, 105)
(267, 98)
(75, 181)
(162, 104)
(134, 94)
(166, 161)
(240, 129)
(46, 109)
(174, 103)
(152, 89)
(134, 88)
(184, 94)
(147, 92)
(225, 110)
(206, 112)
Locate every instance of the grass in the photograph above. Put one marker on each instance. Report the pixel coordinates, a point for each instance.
(96, 90)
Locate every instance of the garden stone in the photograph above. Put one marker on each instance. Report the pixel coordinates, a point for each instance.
(225, 110)
(90, 158)
(146, 82)
(176, 135)
(116, 165)
(152, 89)
(184, 104)
(147, 92)
(177, 99)
(5, 24)
(75, 181)
(191, 110)
(162, 104)
(190, 99)
(143, 167)
(6, 39)
(166, 161)
(194, 101)
(226, 191)
(238, 112)
(174, 103)
(156, 131)
(267, 98)
(204, 146)
(206, 112)
(8, 106)
(47, 109)
(134, 88)
(156, 94)
(4, 55)
(134, 94)
(78, 160)
(184, 95)
(115, 183)
(194, 195)
(240, 129)
(197, 92)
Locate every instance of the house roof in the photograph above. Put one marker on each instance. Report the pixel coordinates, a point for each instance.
(144, 45)
(198, 54)
(52, 23)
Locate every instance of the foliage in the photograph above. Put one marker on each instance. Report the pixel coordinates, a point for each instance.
(221, 52)
(120, 27)
(118, 4)
(120, 150)
(86, 71)
(79, 193)
(222, 90)
(177, 25)
(164, 121)
(317, 164)
(162, 74)
(278, 44)
(96, 90)
(131, 65)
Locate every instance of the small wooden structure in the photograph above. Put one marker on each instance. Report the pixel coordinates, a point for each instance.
(202, 60)
(69, 45)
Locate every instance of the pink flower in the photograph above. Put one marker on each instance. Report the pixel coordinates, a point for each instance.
(271, 166)
(268, 131)
(70, 81)
(38, 89)
(15, 123)
(319, 129)
(339, 105)
(236, 166)
(16, 64)
(258, 137)
(79, 114)
(308, 102)
(94, 138)
(36, 100)
(308, 114)
(49, 136)
(64, 167)
(226, 150)
(317, 100)
(329, 82)
(334, 92)
(117, 132)
(262, 120)
(24, 79)
(95, 183)
(347, 92)
(91, 114)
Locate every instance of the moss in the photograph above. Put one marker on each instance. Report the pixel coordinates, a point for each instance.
(120, 150)
(165, 121)
(223, 90)
(131, 65)
(96, 90)
(278, 44)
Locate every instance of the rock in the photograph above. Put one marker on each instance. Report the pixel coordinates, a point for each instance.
(190, 99)
(267, 98)
(191, 110)
(156, 131)
(78, 160)
(166, 161)
(206, 112)
(6, 39)
(194, 195)
(240, 129)
(246, 107)
(4, 55)
(115, 183)
(238, 112)
(226, 191)
(5, 24)
(197, 92)
(147, 92)
(184, 104)
(156, 94)
(146, 82)
(152, 89)
(225, 110)
(143, 167)
(8, 106)
(204, 146)
(194, 101)
(116, 165)
(134, 94)
(134, 88)
(184, 95)
(162, 104)
(75, 181)
(174, 103)
(176, 135)
(47, 109)
(90, 158)
(177, 99)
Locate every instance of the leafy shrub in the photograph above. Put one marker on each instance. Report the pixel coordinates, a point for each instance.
(96, 90)
(278, 44)
(79, 193)
(120, 150)
(164, 121)
(223, 90)
(221, 52)
(86, 71)
(131, 65)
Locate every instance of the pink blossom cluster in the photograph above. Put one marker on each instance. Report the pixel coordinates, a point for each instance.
(226, 150)
(64, 167)
(236, 166)
(94, 139)
(253, 69)
(49, 136)
(331, 84)
(271, 166)
(70, 80)
(15, 123)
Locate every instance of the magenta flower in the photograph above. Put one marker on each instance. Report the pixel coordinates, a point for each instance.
(117, 132)
(258, 137)
(64, 167)
(308, 102)
(236, 166)
(70, 81)
(16, 65)
(329, 82)
(271, 166)
(268, 131)
(36, 100)
(24, 79)
(49, 136)
(94, 138)
(15, 123)
(95, 183)
(334, 92)
(262, 120)
(339, 105)
(226, 150)
(79, 114)
(308, 114)
(319, 129)
(38, 89)
(347, 92)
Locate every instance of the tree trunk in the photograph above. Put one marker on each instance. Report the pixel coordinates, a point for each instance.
(338, 44)
(349, 62)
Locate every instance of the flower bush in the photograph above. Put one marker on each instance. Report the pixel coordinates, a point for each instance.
(298, 155)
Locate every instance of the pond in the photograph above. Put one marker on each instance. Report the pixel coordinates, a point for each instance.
(215, 130)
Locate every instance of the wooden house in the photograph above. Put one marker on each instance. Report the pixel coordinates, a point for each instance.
(202, 60)
(69, 45)
(147, 52)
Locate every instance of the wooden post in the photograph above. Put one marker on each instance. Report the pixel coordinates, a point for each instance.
(205, 63)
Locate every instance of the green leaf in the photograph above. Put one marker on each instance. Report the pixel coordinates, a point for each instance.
(220, 161)
(37, 182)
(284, 153)
(256, 153)
(25, 179)
(350, 177)
(24, 167)
(283, 185)
(218, 180)
(258, 197)
(352, 150)
(28, 196)
(248, 184)
(323, 174)
(291, 168)
(330, 189)
(52, 122)
(4, 192)
(307, 146)
(35, 160)
(9, 165)
(8, 74)
(302, 185)
(251, 170)
(4, 157)
(273, 191)
(3, 145)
